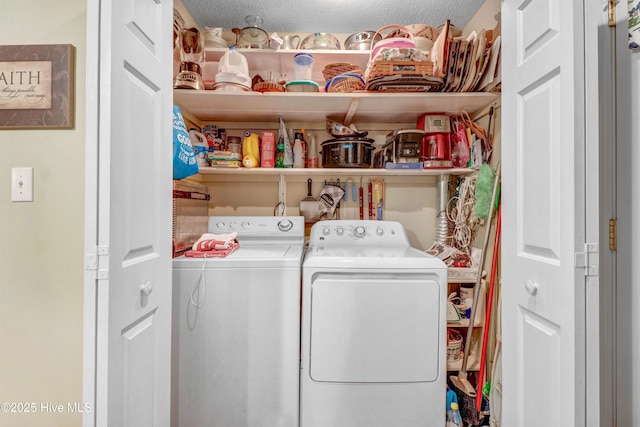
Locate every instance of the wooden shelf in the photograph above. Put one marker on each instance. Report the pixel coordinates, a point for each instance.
(464, 323)
(333, 171)
(362, 107)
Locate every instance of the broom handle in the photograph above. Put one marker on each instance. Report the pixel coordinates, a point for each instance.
(487, 320)
(483, 254)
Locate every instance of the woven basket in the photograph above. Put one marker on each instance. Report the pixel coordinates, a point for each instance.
(332, 70)
(268, 87)
(405, 68)
(344, 84)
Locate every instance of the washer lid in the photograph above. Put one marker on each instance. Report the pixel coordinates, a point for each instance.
(369, 257)
(249, 256)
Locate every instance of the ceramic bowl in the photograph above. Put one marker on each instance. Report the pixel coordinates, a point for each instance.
(320, 41)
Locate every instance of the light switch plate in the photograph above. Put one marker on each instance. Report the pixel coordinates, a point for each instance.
(22, 184)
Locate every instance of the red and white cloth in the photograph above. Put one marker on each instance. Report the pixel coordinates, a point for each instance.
(214, 245)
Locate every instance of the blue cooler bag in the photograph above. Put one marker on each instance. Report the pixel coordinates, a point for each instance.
(184, 158)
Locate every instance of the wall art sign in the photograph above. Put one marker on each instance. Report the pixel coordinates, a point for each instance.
(37, 86)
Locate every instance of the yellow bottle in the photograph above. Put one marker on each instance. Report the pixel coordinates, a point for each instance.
(251, 150)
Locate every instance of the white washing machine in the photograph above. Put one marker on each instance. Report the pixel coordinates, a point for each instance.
(236, 328)
(373, 351)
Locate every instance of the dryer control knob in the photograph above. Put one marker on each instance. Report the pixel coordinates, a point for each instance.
(244, 224)
(340, 231)
(359, 231)
(285, 225)
(326, 231)
(219, 224)
(233, 224)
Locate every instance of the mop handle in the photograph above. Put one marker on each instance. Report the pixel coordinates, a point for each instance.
(476, 290)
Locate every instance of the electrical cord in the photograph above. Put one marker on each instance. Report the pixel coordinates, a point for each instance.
(199, 301)
(460, 213)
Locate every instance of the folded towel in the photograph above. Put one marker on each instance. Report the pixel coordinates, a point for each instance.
(210, 242)
(218, 253)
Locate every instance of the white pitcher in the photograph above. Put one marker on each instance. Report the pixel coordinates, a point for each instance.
(290, 42)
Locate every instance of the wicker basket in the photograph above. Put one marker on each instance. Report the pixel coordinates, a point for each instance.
(405, 68)
(332, 70)
(345, 83)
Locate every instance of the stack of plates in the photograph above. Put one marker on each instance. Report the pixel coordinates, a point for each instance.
(232, 80)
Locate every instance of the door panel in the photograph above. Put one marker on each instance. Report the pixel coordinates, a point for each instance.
(139, 342)
(541, 21)
(543, 213)
(539, 198)
(131, 135)
(539, 355)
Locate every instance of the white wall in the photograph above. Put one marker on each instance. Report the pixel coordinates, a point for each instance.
(41, 262)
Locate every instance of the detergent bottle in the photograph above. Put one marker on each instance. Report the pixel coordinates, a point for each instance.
(251, 150)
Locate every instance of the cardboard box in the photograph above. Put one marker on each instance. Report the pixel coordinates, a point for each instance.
(268, 150)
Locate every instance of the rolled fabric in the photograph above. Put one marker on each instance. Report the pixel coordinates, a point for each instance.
(211, 242)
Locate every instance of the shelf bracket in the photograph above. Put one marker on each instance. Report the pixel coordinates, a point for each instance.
(353, 106)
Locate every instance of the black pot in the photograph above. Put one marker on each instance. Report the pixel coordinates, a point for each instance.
(347, 153)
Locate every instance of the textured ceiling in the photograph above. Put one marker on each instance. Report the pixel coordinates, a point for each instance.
(332, 16)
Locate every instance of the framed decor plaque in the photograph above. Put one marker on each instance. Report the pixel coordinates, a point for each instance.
(37, 86)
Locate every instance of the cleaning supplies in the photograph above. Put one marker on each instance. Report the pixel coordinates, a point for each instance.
(200, 146)
(268, 149)
(299, 151)
(251, 150)
(484, 184)
(284, 153)
(453, 416)
(460, 383)
(312, 152)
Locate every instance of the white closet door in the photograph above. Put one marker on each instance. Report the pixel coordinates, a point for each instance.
(543, 194)
(628, 209)
(129, 167)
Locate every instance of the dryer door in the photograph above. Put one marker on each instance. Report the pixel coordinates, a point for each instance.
(376, 328)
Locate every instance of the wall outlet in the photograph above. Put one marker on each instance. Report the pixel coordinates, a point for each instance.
(22, 184)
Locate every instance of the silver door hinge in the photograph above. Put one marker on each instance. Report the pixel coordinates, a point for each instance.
(92, 262)
(588, 259)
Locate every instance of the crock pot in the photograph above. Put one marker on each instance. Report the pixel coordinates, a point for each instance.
(347, 153)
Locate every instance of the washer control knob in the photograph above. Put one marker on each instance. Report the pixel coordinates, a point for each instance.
(244, 224)
(233, 224)
(219, 224)
(285, 225)
(340, 231)
(379, 231)
(359, 231)
(326, 231)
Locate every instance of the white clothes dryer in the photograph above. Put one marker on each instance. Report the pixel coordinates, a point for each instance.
(373, 350)
(236, 328)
